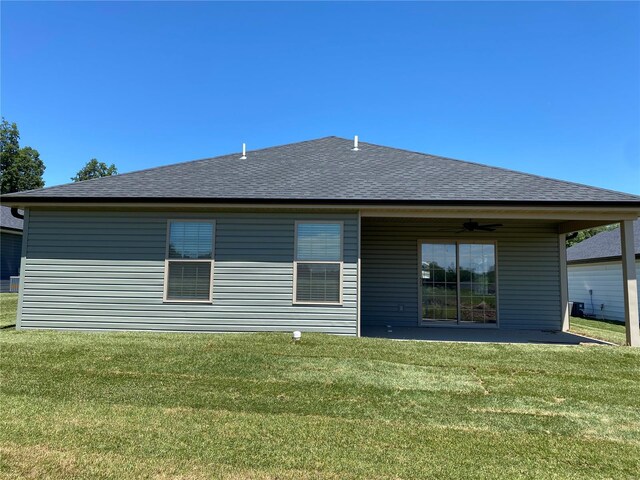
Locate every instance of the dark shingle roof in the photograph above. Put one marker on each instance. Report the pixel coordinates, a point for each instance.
(9, 221)
(602, 245)
(327, 169)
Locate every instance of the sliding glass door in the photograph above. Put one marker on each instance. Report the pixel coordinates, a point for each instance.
(439, 282)
(458, 283)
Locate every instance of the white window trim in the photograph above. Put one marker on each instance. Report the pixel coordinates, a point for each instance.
(167, 260)
(323, 262)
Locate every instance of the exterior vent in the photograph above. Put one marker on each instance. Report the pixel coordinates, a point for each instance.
(355, 144)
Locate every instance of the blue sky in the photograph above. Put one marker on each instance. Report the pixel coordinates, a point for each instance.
(546, 88)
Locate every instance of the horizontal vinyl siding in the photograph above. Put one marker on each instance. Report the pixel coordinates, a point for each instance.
(528, 268)
(105, 271)
(605, 279)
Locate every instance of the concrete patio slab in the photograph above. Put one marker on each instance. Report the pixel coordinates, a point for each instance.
(478, 335)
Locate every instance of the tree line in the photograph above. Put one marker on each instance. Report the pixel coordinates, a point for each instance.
(21, 168)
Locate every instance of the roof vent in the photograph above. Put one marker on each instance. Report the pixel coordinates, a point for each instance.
(355, 144)
(244, 152)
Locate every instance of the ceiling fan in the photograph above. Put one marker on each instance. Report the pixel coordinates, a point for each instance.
(472, 226)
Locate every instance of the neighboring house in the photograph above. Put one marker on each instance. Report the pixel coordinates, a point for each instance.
(10, 247)
(315, 236)
(595, 273)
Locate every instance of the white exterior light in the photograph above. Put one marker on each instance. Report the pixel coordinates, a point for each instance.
(296, 336)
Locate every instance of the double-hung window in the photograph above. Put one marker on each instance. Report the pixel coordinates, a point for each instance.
(318, 263)
(189, 261)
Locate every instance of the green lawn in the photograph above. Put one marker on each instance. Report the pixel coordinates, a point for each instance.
(8, 306)
(135, 405)
(604, 330)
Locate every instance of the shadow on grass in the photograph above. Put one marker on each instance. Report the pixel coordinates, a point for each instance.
(607, 330)
(599, 320)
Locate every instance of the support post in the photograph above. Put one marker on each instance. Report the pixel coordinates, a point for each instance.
(564, 282)
(630, 283)
(359, 288)
(23, 268)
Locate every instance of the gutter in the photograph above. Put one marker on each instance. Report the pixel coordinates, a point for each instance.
(28, 199)
(16, 213)
(15, 231)
(584, 261)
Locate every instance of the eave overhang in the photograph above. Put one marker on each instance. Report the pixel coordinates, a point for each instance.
(28, 200)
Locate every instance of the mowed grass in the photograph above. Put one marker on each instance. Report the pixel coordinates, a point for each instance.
(235, 406)
(8, 307)
(608, 331)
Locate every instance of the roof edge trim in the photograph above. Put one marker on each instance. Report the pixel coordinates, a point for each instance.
(584, 261)
(26, 200)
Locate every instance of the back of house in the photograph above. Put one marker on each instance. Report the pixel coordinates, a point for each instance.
(313, 236)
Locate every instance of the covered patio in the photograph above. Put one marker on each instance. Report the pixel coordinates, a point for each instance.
(479, 335)
(426, 275)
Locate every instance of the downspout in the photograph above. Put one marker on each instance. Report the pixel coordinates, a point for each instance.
(16, 213)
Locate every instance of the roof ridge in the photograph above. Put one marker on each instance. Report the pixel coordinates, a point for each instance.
(187, 162)
(633, 196)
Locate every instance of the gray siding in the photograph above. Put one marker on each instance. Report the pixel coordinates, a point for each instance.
(105, 271)
(10, 253)
(528, 266)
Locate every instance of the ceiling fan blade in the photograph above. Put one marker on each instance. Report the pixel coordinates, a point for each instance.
(472, 226)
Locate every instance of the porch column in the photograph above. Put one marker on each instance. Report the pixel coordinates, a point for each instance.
(630, 283)
(564, 282)
(359, 287)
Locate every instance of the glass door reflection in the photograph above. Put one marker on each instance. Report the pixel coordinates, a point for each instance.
(439, 282)
(458, 283)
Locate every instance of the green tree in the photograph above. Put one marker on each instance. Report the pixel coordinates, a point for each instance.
(577, 237)
(95, 169)
(20, 168)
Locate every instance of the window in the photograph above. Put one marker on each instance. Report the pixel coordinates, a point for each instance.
(318, 263)
(189, 261)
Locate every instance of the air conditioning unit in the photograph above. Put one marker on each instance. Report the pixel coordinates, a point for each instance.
(577, 309)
